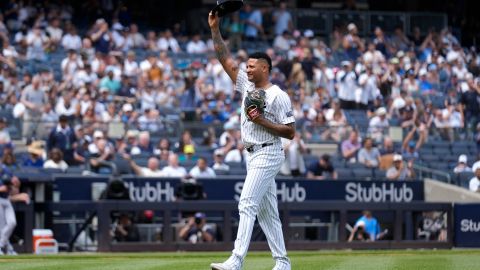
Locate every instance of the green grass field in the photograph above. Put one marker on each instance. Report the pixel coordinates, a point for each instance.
(349, 260)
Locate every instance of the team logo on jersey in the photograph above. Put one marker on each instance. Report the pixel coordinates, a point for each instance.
(289, 113)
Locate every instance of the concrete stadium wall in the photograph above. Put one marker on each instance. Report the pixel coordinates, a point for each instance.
(436, 191)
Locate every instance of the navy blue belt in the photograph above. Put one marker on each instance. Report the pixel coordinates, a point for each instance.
(256, 147)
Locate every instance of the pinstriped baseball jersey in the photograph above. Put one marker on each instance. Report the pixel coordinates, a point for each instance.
(259, 194)
(278, 110)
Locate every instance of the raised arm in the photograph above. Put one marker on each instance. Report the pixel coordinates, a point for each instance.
(223, 54)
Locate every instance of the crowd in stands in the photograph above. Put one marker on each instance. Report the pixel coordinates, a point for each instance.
(86, 97)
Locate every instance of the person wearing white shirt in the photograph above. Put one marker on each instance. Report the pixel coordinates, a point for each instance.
(218, 163)
(378, 124)
(55, 31)
(237, 154)
(168, 43)
(347, 83)
(202, 170)
(282, 42)
(70, 64)
(71, 41)
(174, 169)
(152, 169)
(196, 45)
(474, 184)
(130, 66)
(56, 160)
(134, 38)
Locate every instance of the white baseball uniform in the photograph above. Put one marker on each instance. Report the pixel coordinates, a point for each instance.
(259, 193)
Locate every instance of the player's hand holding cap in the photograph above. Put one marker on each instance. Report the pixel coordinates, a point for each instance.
(225, 7)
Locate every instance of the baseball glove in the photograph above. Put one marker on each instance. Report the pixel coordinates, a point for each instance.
(254, 104)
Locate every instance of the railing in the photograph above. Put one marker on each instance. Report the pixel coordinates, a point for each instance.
(323, 22)
(424, 172)
(402, 224)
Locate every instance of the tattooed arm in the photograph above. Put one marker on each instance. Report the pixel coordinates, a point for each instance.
(223, 54)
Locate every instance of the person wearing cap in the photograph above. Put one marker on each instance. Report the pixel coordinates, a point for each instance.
(367, 228)
(36, 152)
(103, 153)
(462, 165)
(410, 147)
(218, 163)
(352, 44)
(474, 184)
(398, 171)
(378, 125)
(346, 84)
(197, 230)
(102, 37)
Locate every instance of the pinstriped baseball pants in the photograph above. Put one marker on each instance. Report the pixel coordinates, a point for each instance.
(7, 221)
(259, 199)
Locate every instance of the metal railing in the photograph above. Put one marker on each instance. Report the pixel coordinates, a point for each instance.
(323, 22)
(423, 172)
(402, 213)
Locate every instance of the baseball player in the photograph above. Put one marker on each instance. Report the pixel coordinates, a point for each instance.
(266, 116)
(8, 220)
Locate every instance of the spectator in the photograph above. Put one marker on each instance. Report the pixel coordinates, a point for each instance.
(462, 165)
(352, 44)
(350, 147)
(432, 227)
(409, 147)
(378, 125)
(218, 163)
(197, 230)
(196, 45)
(474, 184)
(321, 169)
(282, 19)
(71, 40)
(125, 230)
(174, 169)
(201, 170)
(37, 43)
(369, 155)
(347, 83)
(167, 42)
(56, 160)
(152, 169)
(102, 155)
(294, 163)
(34, 100)
(254, 22)
(63, 137)
(5, 139)
(398, 170)
(36, 154)
(236, 154)
(135, 39)
(10, 161)
(367, 228)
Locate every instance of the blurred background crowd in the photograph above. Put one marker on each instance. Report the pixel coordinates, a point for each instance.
(106, 95)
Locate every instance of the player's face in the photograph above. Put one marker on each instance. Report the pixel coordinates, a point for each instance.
(255, 69)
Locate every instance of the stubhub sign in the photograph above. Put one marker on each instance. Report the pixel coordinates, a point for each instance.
(467, 225)
(288, 190)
